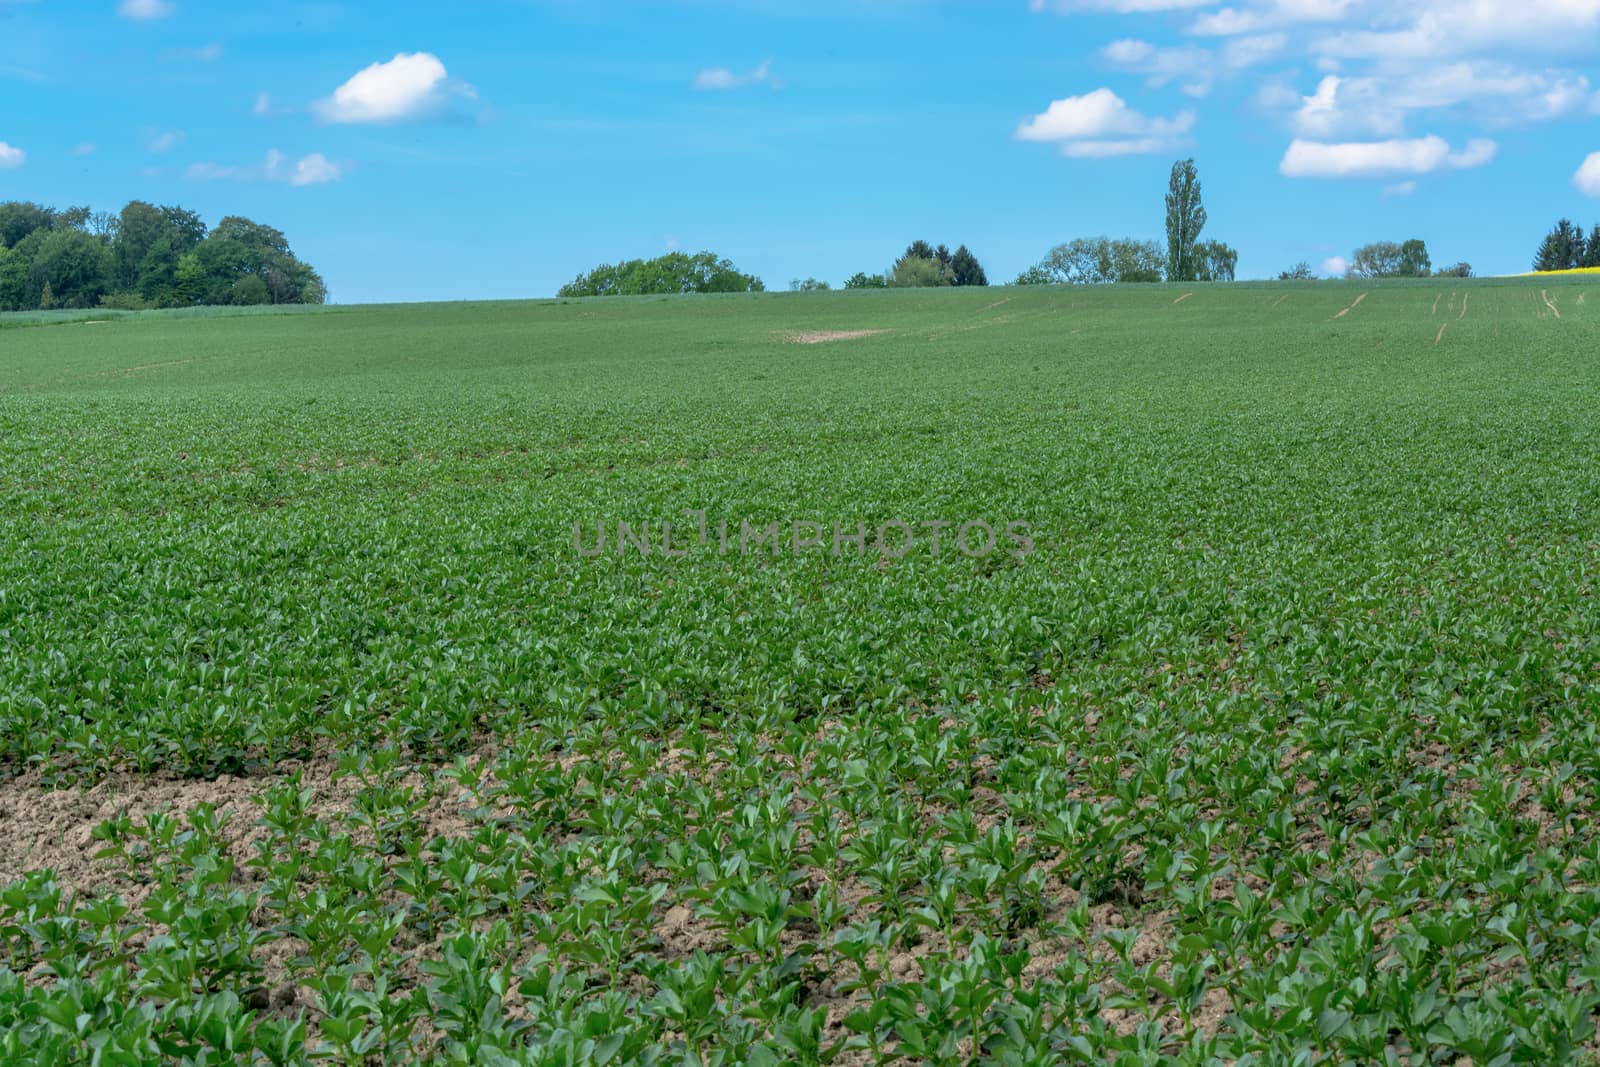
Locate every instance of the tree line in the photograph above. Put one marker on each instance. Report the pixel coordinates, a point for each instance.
(675, 272)
(145, 256)
(922, 266)
(1386, 259)
(1566, 248)
(1186, 258)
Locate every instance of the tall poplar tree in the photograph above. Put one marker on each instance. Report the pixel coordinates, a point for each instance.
(1186, 217)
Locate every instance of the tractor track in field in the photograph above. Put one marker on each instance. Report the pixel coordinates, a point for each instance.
(1182, 298)
(1464, 298)
(1352, 307)
(1544, 294)
(1440, 335)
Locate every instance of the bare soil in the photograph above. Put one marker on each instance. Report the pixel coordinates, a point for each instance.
(822, 337)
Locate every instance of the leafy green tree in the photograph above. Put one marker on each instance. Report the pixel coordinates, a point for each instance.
(74, 218)
(140, 228)
(23, 253)
(1386, 259)
(1300, 272)
(1098, 261)
(262, 240)
(187, 228)
(75, 266)
(1455, 270)
(239, 247)
(13, 280)
(919, 250)
(19, 218)
(145, 256)
(1186, 218)
(965, 268)
(189, 280)
(1380, 259)
(913, 272)
(1214, 262)
(1414, 261)
(674, 272)
(862, 280)
(1562, 249)
(225, 260)
(808, 285)
(157, 275)
(1135, 261)
(249, 290)
(1038, 274)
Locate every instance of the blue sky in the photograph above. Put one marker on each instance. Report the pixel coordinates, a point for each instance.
(418, 151)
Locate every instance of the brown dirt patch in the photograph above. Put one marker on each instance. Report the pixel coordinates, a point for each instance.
(54, 828)
(823, 337)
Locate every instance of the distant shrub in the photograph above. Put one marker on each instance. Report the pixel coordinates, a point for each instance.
(674, 272)
(124, 301)
(248, 291)
(914, 272)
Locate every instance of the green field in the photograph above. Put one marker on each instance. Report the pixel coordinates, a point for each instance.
(322, 741)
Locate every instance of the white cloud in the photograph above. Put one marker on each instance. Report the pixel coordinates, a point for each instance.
(145, 9)
(83, 148)
(315, 169)
(1494, 93)
(1376, 159)
(1192, 68)
(1348, 71)
(11, 157)
(1245, 52)
(165, 140)
(1437, 28)
(721, 78)
(263, 104)
(1100, 124)
(1405, 188)
(1587, 179)
(1335, 266)
(412, 85)
(1268, 14)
